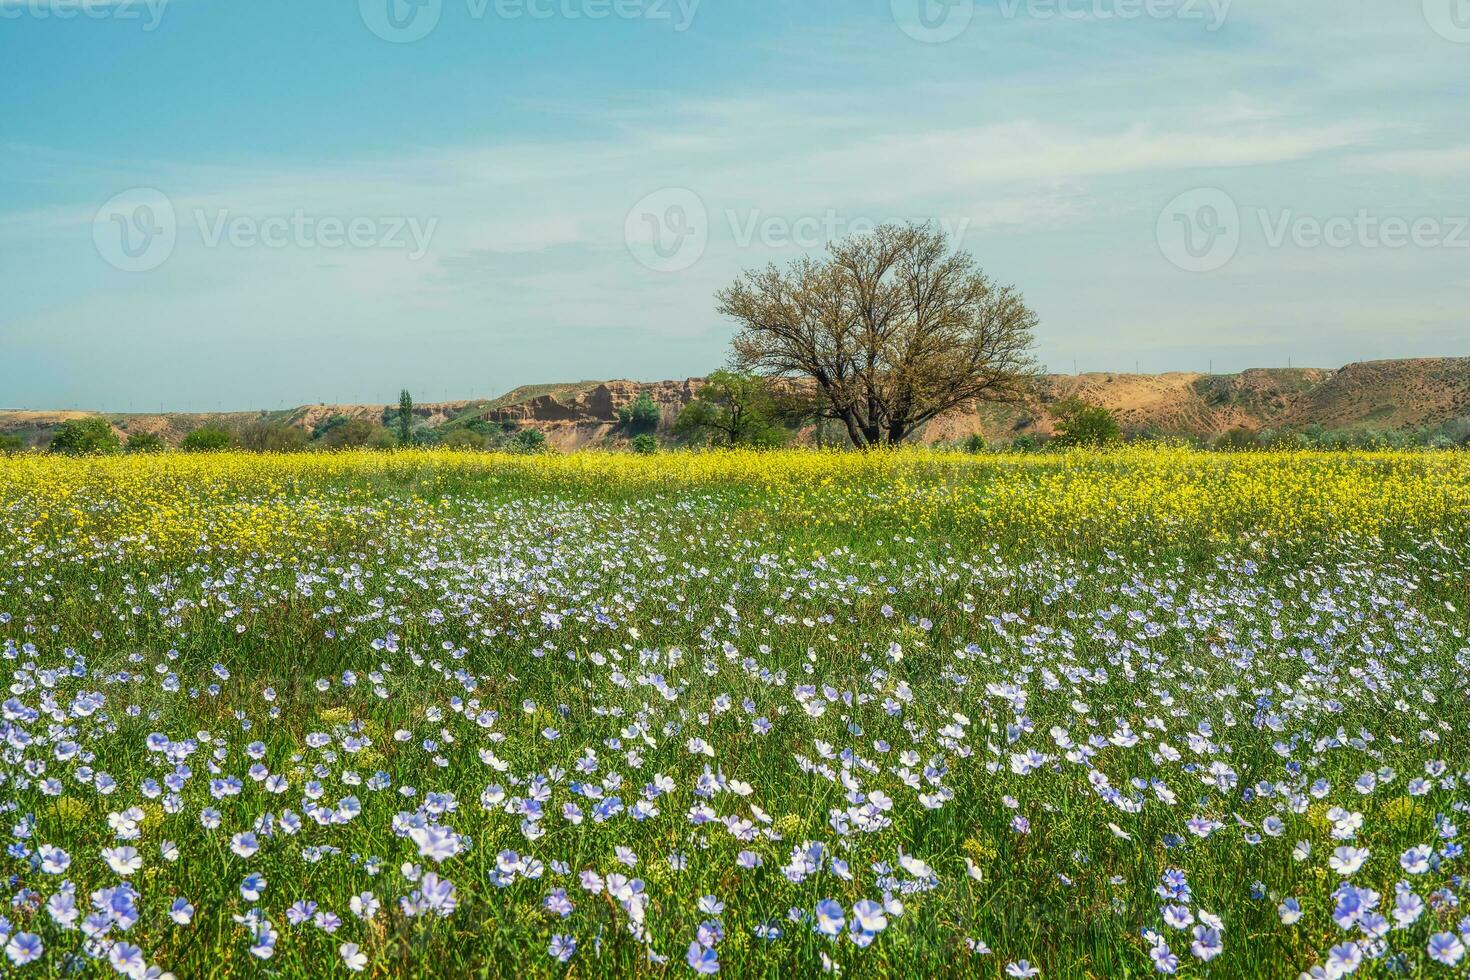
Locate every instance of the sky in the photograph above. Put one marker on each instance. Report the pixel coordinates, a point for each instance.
(222, 204)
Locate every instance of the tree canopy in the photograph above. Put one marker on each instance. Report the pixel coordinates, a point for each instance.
(892, 328)
(733, 409)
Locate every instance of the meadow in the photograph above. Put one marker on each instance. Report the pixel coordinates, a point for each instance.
(436, 714)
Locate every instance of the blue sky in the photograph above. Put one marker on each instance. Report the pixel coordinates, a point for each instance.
(319, 206)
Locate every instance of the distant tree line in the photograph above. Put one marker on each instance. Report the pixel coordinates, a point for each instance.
(731, 409)
(397, 427)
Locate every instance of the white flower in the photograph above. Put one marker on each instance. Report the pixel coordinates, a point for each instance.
(352, 957)
(1346, 860)
(914, 866)
(364, 906)
(122, 860)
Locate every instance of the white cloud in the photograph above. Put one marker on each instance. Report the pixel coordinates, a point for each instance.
(1449, 162)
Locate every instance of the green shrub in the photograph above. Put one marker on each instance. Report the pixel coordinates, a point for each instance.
(1027, 443)
(975, 444)
(529, 441)
(1079, 423)
(381, 438)
(1237, 439)
(462, 439)
(11, 444)
(144, 442)
(641, 414)
(206, 439)
(340, 432)
(91, 436)
(271, 437)
(645, 445)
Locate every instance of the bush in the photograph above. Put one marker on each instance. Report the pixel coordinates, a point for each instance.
(1237, 439)
(11, 444)
(645, 445)
(86, 437)
(340, 432)
(206, 439)
(144, 442)
(462, 439)
(1025, 444)
(481, 428)
(1079, 423)
(381, 438)
(641, 414)
(529, 441)
(271, 437)
(975, 444)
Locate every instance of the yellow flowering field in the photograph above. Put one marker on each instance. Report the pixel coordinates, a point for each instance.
(177, 503)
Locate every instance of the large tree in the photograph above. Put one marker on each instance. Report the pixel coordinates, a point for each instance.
(893, 328)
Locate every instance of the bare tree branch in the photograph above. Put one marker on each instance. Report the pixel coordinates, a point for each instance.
(893, 329)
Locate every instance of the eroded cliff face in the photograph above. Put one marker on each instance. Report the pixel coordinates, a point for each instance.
(577, 416)
(597, 402)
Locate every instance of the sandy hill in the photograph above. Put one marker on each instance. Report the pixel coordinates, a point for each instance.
(1380, 395)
